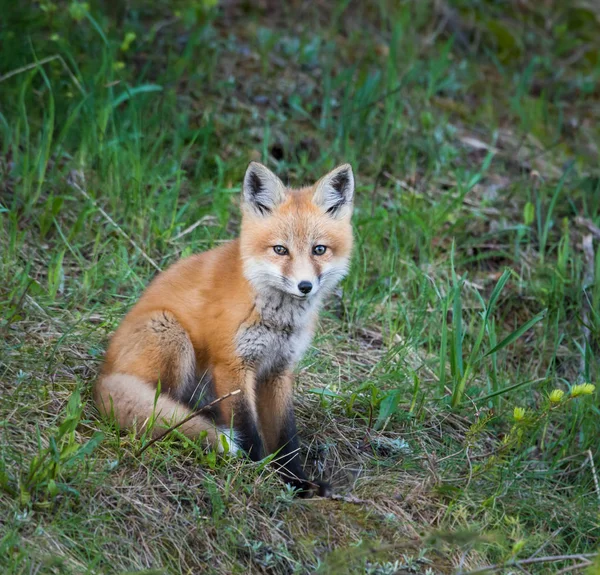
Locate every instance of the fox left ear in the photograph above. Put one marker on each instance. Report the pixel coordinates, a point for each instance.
(263, 190)
(335, 191)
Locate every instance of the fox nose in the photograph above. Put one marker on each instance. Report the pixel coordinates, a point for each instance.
(305, 287)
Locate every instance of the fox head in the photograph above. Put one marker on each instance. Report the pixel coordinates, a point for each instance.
(297, 241)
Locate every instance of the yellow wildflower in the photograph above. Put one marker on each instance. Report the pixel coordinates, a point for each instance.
(519, 413)
(78, 10)
(127, 41)
(582, 389)
(556, 395)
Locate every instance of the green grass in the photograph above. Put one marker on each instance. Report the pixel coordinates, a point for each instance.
(472, 128)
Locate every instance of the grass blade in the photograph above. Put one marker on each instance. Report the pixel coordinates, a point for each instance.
(508, 389)
(443, 347)
(517, 333)
(130, 92)
(496, 294)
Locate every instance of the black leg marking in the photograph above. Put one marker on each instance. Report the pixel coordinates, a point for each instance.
(289, 464)
(250, 439)
(197, 392)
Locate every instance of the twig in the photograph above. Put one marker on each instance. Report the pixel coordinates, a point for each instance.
(348, 499)
(40, 63)
(572, 568)
(584, 222)
(186, 419)
(548, 540)
(470, 468)
(191, 228)
(450, 456)
(587, 244)
(72, 180)
(530, 561)
(594, 474)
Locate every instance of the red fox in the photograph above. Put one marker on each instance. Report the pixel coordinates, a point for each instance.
(239, 316)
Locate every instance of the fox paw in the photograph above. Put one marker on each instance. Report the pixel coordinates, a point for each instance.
(314, 489)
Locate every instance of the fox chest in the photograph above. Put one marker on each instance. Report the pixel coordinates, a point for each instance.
(271, 350)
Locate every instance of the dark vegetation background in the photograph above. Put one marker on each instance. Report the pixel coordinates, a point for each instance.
(449, 394)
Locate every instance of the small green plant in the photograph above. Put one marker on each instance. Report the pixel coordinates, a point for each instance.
(59, 456)
(463, 366)
(526, 424)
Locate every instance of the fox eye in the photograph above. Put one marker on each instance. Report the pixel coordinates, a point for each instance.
(319, 250)
(280, 250)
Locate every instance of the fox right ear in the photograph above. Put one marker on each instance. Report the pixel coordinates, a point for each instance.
(262, 190)
(335, 191)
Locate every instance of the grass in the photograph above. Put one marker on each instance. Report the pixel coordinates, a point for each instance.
(472, 128)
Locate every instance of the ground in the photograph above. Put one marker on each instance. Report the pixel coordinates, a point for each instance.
(449, 394)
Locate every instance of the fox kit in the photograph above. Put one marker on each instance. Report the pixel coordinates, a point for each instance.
(236, 317)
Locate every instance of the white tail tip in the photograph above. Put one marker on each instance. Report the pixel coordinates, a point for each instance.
(227, 442)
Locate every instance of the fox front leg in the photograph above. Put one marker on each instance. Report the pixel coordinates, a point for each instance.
(239, 412)
(278, 426)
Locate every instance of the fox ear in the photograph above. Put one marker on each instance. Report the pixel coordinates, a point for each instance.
(335, 191)
(262, 189)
